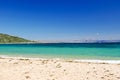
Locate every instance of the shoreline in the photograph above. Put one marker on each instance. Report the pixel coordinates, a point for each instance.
(60, 59)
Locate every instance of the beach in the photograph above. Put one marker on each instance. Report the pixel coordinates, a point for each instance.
(59, 39)
(55, 69)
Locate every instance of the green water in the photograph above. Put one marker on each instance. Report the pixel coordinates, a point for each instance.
(69, 51)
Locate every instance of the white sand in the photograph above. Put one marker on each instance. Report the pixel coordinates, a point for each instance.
(40, 69)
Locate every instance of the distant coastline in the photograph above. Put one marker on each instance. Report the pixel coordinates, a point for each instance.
(9, 39)
(77, 41)
(45, 42)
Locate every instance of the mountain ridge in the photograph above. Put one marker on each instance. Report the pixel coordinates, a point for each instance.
(6, 38)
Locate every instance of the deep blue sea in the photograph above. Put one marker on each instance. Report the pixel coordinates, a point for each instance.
(109, 51)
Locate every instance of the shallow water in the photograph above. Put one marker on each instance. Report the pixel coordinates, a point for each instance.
(109, 51)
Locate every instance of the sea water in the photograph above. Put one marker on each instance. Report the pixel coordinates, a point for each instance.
(102, 51)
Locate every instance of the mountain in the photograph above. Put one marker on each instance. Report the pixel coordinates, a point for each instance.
(5, 38)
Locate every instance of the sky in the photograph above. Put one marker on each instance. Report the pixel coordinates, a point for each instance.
(61, 19)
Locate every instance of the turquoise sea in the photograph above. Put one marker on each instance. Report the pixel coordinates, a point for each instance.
(109, 51)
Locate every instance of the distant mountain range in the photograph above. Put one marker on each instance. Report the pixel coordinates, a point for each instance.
(5, 38)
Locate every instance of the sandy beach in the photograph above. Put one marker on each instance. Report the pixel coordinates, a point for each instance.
(40, 69)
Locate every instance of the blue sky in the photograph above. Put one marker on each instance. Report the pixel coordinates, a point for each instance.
(61, 19)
